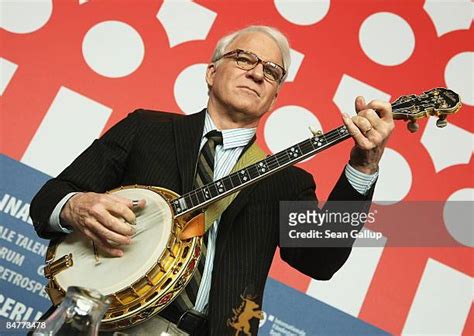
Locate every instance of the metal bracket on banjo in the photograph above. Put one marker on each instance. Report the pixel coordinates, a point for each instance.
(53, 268)
(315, 132)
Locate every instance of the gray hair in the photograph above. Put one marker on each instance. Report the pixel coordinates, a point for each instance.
(274, 33)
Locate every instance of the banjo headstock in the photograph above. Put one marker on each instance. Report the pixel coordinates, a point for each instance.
(439, 102)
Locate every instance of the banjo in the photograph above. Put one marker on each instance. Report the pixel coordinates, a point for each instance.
(156, 268)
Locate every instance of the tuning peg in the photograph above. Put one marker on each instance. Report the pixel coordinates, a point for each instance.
(315, 132)
(441, 122)
(413, 126)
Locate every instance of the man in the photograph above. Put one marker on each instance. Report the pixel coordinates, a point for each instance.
(153, 148)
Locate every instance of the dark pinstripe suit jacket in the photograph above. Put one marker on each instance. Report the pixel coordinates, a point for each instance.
(156, 148)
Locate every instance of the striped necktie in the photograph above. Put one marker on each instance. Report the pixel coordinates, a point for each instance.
(205, 165)
(204, 175)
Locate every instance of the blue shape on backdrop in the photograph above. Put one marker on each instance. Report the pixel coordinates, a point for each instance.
(22, 296)
(289, 312)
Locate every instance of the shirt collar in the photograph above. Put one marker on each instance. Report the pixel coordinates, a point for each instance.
(231, 138)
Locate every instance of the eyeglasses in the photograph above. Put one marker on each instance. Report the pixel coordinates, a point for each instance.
(247, 60)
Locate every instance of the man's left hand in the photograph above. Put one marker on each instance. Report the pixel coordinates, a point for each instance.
(370, 129)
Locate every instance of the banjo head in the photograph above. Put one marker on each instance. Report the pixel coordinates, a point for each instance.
(109, 275)
(153, 271)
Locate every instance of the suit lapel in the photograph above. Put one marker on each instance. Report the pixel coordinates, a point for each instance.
(188, 133)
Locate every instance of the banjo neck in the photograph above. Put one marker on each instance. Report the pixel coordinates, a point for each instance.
(439, 102)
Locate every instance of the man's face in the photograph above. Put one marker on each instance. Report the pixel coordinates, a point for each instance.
(244, 94)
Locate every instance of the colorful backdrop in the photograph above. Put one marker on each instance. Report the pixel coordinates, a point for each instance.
(72, 69)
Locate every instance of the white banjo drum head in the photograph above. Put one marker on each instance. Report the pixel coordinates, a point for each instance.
(112, 274)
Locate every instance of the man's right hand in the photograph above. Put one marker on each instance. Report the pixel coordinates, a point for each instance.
(103, 218)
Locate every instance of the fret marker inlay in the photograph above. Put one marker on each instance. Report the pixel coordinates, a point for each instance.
(317, 142)
(294, 152)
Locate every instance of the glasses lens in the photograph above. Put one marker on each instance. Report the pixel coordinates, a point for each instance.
(246, 60)
(272, 71)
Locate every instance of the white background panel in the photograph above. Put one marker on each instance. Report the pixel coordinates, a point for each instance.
(7, 70)
(348, 287)
(72, 122)
(349, 88)
(441, 303)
